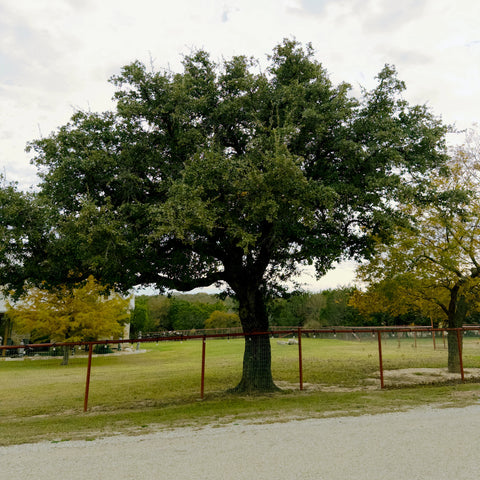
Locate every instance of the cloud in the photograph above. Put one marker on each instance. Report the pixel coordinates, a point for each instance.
(28, 51)
(227, 12)
(55, 54)
(409, 57)
(81, 5)
(6, 134)
(12, 71)
(314, 7)
(384, 16)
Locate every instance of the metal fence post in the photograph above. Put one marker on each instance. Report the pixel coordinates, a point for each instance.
(433, 337)
(380, 359)
(300, 362)
(87, 385)
(202, 386)
(460, 354)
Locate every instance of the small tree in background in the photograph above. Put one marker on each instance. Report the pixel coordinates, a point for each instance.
(291, 310)
(86, 312)
(158, 310)
(221, 319)
(141, 319)
(336, 309)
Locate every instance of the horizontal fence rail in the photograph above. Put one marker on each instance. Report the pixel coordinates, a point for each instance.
(296, 332)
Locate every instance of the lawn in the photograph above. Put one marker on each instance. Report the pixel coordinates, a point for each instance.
(159, 387)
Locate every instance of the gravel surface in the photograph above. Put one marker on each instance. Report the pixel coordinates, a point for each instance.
(418, 444)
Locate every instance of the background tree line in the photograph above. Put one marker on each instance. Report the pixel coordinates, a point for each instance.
(331, 307)
(156, 313)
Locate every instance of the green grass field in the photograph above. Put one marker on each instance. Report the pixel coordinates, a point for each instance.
(160, 388)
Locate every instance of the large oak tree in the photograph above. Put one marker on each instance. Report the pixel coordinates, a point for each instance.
(230, 172)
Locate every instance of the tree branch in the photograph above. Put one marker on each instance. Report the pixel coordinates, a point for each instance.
(184, 285)
(457, 272)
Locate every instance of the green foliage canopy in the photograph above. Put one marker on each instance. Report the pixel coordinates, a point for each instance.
(225, 172)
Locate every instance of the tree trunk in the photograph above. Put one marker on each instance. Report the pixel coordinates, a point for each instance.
(66, 355)
(6, 334)
(456, 317)
(257, 358)
(257, 366)
(453, 353)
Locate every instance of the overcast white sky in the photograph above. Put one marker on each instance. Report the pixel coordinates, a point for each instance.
(57, 55)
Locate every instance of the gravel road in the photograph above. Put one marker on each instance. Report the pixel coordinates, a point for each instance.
(418, 444)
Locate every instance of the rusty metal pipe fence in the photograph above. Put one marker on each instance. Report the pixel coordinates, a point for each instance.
(279, 332)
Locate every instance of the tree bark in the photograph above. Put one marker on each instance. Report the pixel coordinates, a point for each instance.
(257, 366)
(453, 353)
(456, 316)
(257, 358)
(66, 355)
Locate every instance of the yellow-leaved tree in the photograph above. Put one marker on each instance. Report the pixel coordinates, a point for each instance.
(86, 312)
(432, 266)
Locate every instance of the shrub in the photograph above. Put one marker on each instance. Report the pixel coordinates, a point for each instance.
(219, 319)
